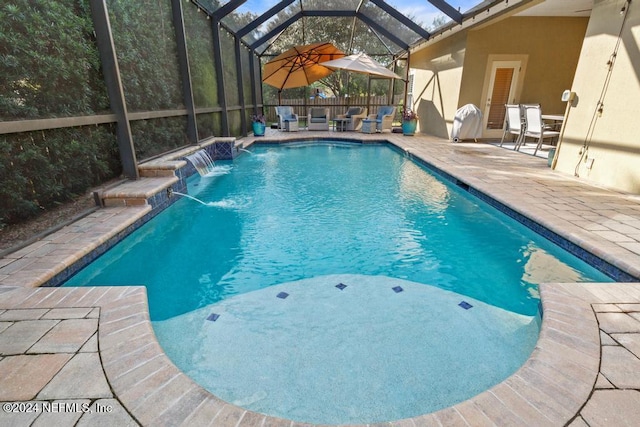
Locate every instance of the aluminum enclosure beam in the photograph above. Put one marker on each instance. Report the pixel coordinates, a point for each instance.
(111, 71)
(403, 19)
(185, 71)
(448, 10)
(263, 18)
(227, 9)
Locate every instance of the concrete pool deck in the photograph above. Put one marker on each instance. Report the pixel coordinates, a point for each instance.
(88, 356)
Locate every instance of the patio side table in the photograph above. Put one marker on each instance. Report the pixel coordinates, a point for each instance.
(368, 126)
(291, 126)
(340, 125)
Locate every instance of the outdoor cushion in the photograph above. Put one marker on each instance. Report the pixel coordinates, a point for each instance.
(318, 113)
(353, 111)
(383, 111)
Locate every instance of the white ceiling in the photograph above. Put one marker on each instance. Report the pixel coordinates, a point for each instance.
(560, 8)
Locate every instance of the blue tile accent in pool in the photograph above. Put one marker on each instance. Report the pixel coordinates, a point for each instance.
(540, 309)
(282, 295)
(465, 305)
(315, 139)
(341, 286)
(213, 317)
(223, 150)
(162, 199)
(189, 169)
(397, 289)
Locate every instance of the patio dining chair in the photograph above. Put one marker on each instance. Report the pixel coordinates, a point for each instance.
(513, 123)
(534, 127)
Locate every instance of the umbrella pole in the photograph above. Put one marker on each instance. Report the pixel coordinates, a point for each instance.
(369, 94)
(279, 97)
(348, 90)
(406, 81)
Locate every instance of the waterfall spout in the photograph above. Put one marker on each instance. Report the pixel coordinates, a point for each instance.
(191, 197)
(201, 161)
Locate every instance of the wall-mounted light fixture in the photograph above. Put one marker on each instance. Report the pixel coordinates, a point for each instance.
(624, 7)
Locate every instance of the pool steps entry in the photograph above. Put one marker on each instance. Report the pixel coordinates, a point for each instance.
(169, 171)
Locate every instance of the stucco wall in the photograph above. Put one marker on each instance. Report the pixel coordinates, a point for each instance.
(436, 87)
(551, 44)
(611, 139)
(454, 69)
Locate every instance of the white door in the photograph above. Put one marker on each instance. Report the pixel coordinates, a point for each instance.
(502, 90)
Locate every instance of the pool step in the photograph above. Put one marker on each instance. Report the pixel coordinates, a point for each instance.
(145, 191)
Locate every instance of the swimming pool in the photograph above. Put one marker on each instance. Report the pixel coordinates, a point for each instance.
(305, 211)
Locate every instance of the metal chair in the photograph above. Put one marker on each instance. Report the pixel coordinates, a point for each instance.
(534, 127)
(513, 123)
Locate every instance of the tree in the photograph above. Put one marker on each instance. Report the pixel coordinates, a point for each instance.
(348, 34)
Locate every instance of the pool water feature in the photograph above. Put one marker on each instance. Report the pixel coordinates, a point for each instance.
(303, 211)
(201, 161)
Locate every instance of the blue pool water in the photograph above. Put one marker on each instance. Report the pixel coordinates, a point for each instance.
(308, 211)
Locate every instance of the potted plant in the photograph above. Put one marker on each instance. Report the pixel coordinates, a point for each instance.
(258, 121)
(409, 121)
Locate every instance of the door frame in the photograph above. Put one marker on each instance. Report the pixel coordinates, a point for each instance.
(516, 87)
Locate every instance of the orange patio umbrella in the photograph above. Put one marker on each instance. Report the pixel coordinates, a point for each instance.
(300, 65)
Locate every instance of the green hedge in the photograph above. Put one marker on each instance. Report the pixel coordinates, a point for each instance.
(49, 63)
(50, 67)
(144, 38)
(39, 170)
(156, 136)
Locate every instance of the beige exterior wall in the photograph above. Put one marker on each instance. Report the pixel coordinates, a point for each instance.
(438, 75)
(453, 71)
(551, 45)
(610, 139)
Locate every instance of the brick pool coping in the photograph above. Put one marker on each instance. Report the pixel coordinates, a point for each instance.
(555, 386)
(561, 383)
